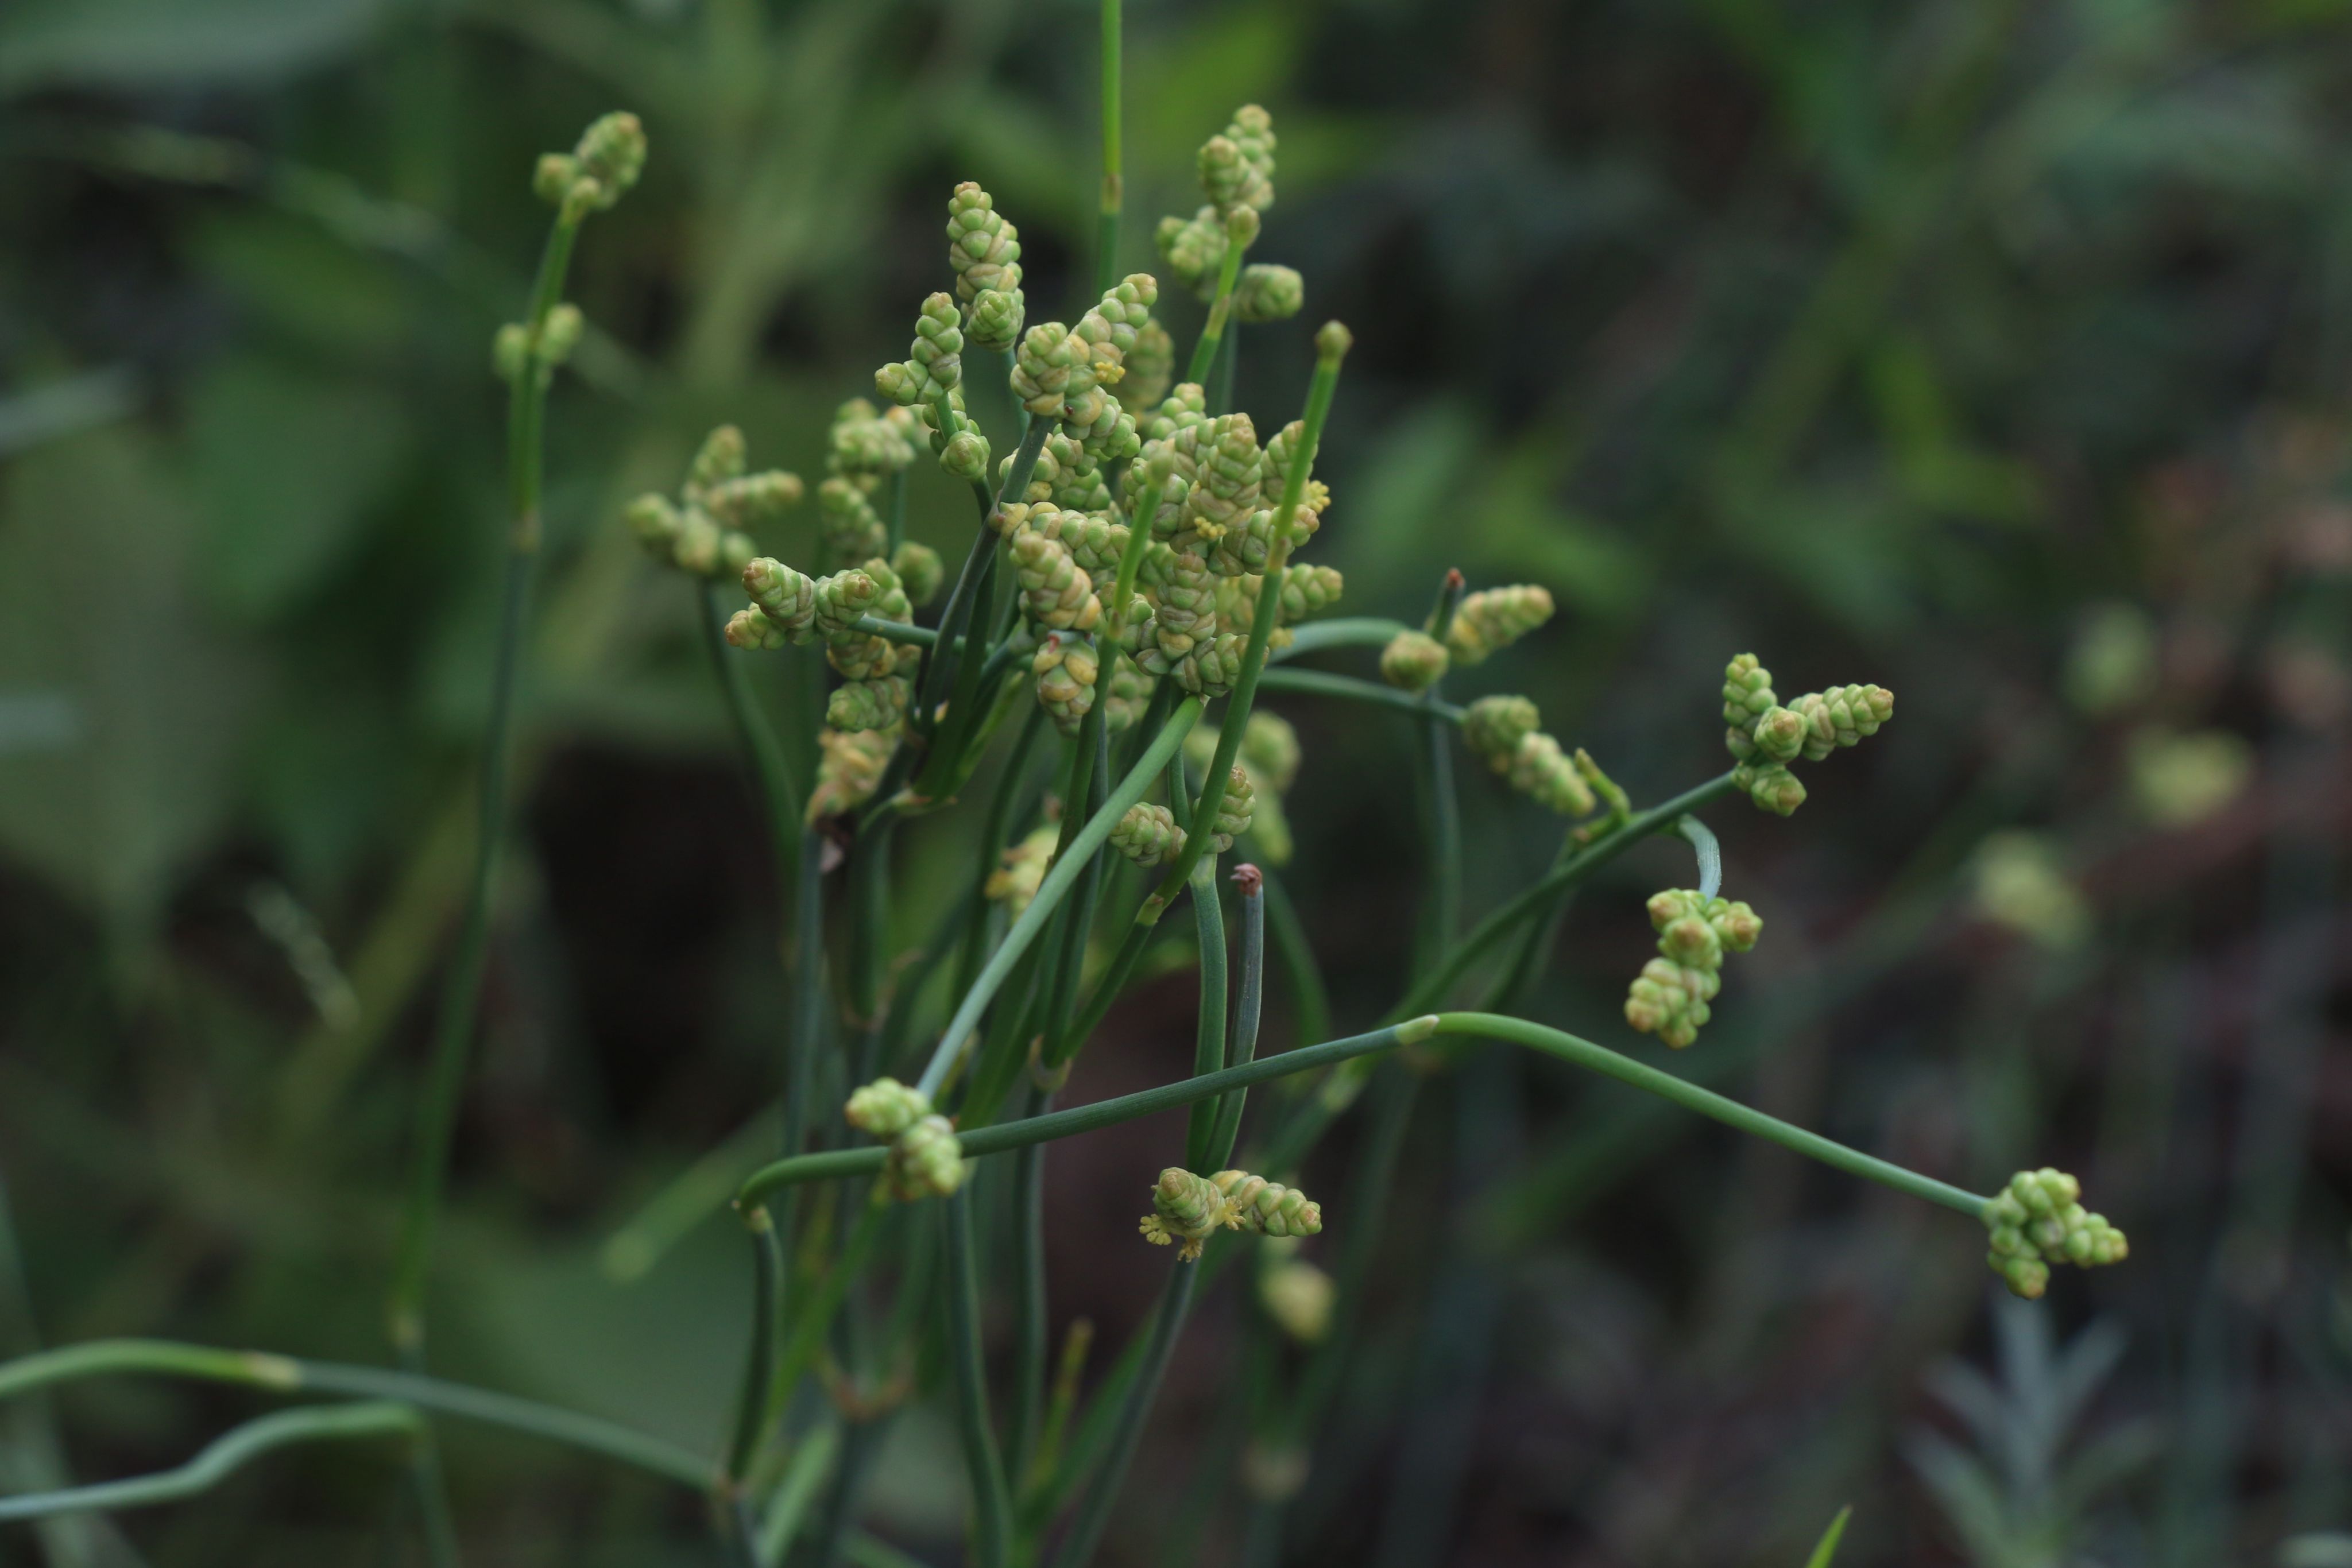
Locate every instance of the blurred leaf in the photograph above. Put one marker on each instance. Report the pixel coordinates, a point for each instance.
(94, 603)
(309, 284)
(1827, 1550)
(146, 43)
(285, 467)
(65, 407)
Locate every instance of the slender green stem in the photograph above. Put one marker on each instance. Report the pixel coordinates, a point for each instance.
(436, 1115)
(1321, 683)
(992, 1505)
(760, 1360)
(788, 1506)
(1139, 536)
(434, 1518)
(1444, 834)
(1219, 393)
(902, 631)
(1113, 182)
(816, 1315)
(1050, 892)
(1209, 1025)
(223, 1457)
(1709, 852)
(1706, 1103)
(1029, 1318)
(1340, 631)
(1241, 1045)
(994, 829)
(1212, 332)
(1102, 1494)
(286, 1375)
(769, 769)
(808, 996)
(1003, 1136)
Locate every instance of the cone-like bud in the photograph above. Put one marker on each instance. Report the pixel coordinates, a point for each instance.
(1148, 834)
(1298, 1297)
(921, 571)
(1233, 812)
(1094, 541)
(1493, 727)
(868, 704)
(1269, 1207)
(937, 352)
(1248, 547)
(849, 766)
(1771, 786)
(1108, 329)
(1265, 292)
(753, 498)
(983, 247)
(1226, 489)
(1192, 249)
(1669, 1000)
(965, 457)
(721, 457)
(559, 334)
(886, 1108)
(595, 174)
(1025, 863)
(1126, 696)
(844, 597)
(655, 522)
(1150, 365)
(786, 597)
(753, 633)
(1066, 671)
(2037, 1220)
(1777, 737)
(1111, 439)
(1494, 618)
(866, 446)
(1053, 374)
(996, 323)
(1186, 1209)
(1538, 768)
(1209, 670)
(853, 531)
(1057, 593)
(1840, 715)
(1187, 614)
(926, 1161)
(1270, 751)
(1412, 660)
(1309, 590)
(1747, 696)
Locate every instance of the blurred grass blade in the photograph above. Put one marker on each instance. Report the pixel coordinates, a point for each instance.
(1829, 1537)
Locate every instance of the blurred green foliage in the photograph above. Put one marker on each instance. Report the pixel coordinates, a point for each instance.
(1915, 344)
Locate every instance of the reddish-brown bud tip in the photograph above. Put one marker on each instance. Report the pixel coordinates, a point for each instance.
(1249, 880)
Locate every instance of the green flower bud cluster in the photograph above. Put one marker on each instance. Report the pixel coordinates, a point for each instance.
(925, 1161)
(1148, 834)
(1066, 474)
(1298, 1297)
(886, 1108)
(704, 532)
(934, 365)
(1234, 811)
(1067, 670)
(1764, 737)
(1126, 694)
(1267, 292)
(1053, 375)
(849, 768)
(1502, 732)
(852, 529)
(1266, 766)
(1056, 591)
(2038, 1219)
(597, 172)
(844, 597)
(1150, 366)
(1192, 249)
(1190, 1208)
(920, 571)
(867, 447)
(1414, 660)
(984, 250)
(1248, 547)
(783, 606)
(1111, 328)
(1494, 618)
(1094, 541)
(1229, 481)
(1016, 881)
(1237, 176)
(515, 353)
(878, 703)
(1670, 997)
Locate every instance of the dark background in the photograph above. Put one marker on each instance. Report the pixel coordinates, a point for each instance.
(1995, 352)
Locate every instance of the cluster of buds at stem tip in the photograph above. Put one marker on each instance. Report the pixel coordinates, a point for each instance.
(1264, 769)
(934, 365)
(1493, 619)
(1236, 169)
(1067, 670)
(1764, 737)
(924, 1159)
(2038, 1219)
(1502, 732)
(596, 172)
(1189, 1209)
(1669, 999)
(517, 352)
(1022, 873)
(706, 532)
(984, 250)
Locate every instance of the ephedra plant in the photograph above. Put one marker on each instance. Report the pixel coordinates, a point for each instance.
(1140, 572)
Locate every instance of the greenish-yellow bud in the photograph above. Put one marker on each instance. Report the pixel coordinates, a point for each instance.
(1412, 660)
(983, 247)
(1771, 786)
(612, 153)
(1150, 365)
(559, 334)
(920, 570)
(1269, 1207)
(1332, 341)
(879, 703)
(1148, 834)
(926, 1161)
(995, 322)
(886, 1108)
(1298, 1297)
(1234, 811)
(1538, 768)
(1266, 292)
(1065, 670)
(965, 457)
(1492, 727)
(1843, 716)
(1057, 593)
(786, 597)
(1494, 618)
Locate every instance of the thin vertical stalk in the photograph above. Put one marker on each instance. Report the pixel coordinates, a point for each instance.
(772, 774)
(808, 996)
(1213, 331)
(1029, 1314)
(992, 1524)
(454, 1033)
(1114, 191)
(1094, 1507)
(1209, 1026)
(1702, 844)
(759, 1358)
(434, 1521)
(1219, 392)
(1241, 1043)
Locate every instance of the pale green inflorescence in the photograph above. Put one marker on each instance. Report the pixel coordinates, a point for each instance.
(1414, 660)
(1494, 618)
(1148, 834)
(1669, 999)
(1189, 1209)
(984, 250)
(1066, 671)
(1764, 737)
(705, 532)
(2038, 1219)
(597, 172)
